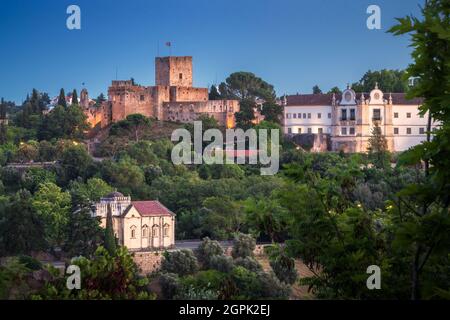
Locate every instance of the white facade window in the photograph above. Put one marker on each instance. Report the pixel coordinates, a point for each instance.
(395, 114)
(352, 131)
(155, 231)
(329, 115)
(309, 115)
(133, 232)
(299, 130)
(144, 231)
(304, 116)
(422, 130)
(352, 114)
(408, 130)
(319, 116)
(288, 115)
(376, 114)
(299, 116)
(289, 130)
(295, 115)
(408, 114)
(309, 130)
(395, 130)
(320, 130)
(344, 131)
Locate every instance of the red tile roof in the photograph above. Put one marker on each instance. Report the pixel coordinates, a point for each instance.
(151, 208)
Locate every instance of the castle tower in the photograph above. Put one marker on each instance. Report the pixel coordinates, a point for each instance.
(173, 71)
(84, 98)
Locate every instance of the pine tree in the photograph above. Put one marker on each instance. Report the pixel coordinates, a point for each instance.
(377, 148)
(110, 239)
(62, 99)
(74, 97)
(214, 93)
(316, 89)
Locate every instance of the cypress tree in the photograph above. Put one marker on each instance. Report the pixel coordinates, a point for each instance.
(62, 98)
(74, 97)
(110, 239)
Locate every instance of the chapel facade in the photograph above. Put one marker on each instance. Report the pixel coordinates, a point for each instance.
(138, 225)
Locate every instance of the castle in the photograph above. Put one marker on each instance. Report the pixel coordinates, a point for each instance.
(172, 98)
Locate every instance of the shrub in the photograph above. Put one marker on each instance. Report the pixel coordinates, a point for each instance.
(248, 263)
(207, 250)
(181, 262)
(170, 284)
(243, 246)
(284, 268)
(221, 263)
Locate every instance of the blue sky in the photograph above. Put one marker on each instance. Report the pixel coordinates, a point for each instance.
(292, 44)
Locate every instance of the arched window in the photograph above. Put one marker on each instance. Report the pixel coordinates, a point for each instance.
(166, 230)
(145, 231)
(155, 232)
(133, 232)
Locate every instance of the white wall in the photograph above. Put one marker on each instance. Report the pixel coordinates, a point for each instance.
(304, 123)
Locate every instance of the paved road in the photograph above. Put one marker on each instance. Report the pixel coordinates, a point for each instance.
(193, 244)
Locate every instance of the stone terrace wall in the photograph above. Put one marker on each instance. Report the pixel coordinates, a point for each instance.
(151, 261)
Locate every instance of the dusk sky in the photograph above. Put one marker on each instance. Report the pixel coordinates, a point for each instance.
(292, 44)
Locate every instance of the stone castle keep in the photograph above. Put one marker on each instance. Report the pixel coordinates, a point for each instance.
(172, 98)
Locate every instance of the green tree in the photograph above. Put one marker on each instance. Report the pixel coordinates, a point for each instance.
(388, 81)
(74, 96)
(84, 195)
(377, 148)
(53, 207)
(110, 238)
(423, 232)
(247, 88)
(181, 262)
(266, 215)
(84, 234)
(135, 125)
(243, 246)
(21, 228)
(214, 93)
(75, 161)
(335, 90)
(316, 90)
(62, 98)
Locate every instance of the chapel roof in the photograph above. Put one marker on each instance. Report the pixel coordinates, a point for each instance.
(150, 208)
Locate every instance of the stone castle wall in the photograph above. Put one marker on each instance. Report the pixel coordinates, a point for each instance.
(172, 98)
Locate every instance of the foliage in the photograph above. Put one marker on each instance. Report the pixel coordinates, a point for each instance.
(283, 266)
(134, 125)
(83, 234)
(181, 262)
(422, 229)
(207, 250)
(388, 81)
(243, 246)
(104, 277)
(21, 228)
(53, 207)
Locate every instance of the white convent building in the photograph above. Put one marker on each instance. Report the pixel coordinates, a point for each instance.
(348, 118)
(138, 225)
